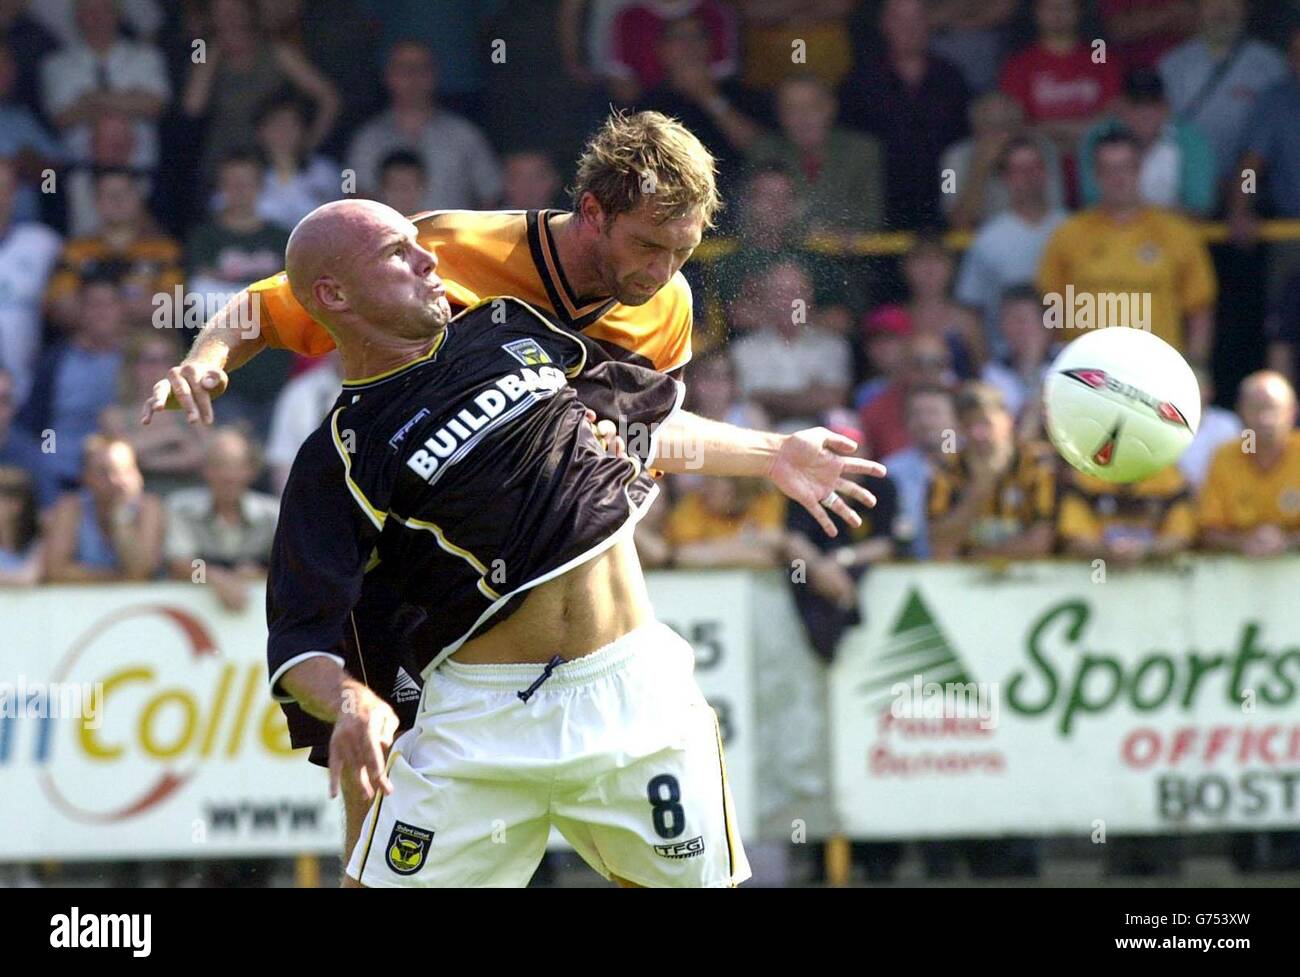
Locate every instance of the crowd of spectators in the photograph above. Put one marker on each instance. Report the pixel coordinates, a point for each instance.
(156, 155)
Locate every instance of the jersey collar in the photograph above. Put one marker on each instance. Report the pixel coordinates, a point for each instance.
(574, 311)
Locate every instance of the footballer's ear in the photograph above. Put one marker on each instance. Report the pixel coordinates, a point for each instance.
(590, 210)
(328, 293)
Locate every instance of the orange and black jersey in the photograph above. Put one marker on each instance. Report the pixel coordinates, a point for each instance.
(482, 254)
(1025, 494)
(457, 482)
(1155, 509)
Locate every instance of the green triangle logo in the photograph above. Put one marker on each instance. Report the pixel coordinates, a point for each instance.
(914, 646)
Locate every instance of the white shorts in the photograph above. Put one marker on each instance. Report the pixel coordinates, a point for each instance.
(617, 749)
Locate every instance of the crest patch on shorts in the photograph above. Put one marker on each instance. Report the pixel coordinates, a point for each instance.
(407, 848)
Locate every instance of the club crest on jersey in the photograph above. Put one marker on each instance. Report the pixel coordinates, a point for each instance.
(407, 848)
(527, 352)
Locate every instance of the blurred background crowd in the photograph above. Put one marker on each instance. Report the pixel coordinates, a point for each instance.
(152, 152)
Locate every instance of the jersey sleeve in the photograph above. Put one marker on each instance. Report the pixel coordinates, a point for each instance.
(284, 323)
(322, 544)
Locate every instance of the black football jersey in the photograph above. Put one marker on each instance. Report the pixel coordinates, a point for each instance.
(454, 484)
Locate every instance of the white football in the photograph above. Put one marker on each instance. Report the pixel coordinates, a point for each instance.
(1121, 404)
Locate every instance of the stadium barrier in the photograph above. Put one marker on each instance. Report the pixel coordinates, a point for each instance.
(975, 701)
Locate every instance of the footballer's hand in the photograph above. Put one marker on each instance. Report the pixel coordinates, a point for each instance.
(362, 735)
(812, 464)
(191, 387)
(607, 434)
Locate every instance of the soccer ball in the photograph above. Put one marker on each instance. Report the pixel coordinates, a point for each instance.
(1121, 404)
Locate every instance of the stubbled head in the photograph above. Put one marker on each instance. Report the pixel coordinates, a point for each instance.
(1266, 404)
(358, 268)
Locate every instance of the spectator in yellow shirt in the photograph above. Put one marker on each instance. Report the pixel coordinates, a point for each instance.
(728, 522)
(1250, 502)
(1155, 517)
(1126, 260)
(998, 498)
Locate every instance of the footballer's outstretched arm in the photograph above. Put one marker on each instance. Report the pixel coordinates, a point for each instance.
(807, 465)
(227, 341)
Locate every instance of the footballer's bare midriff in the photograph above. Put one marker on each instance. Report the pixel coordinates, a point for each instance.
(572, 615)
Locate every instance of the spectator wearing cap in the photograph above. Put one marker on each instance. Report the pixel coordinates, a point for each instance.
(884, 345)
(1008, 249)
(927, 362)
(932, 426)
(997, 496)
(1177, 161)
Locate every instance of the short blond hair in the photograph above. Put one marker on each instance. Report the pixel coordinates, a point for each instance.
(647, 155)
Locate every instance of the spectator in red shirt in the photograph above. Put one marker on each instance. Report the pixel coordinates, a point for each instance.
(636, 65)
(1140, 31)
(1062, 88)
